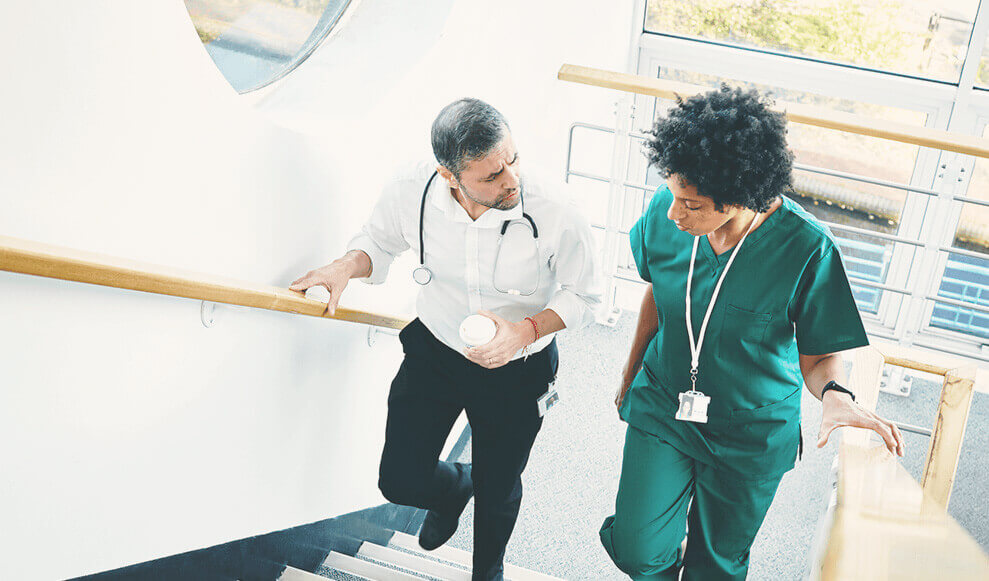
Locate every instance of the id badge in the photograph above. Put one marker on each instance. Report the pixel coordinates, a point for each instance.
(693, 407)
(548, 399)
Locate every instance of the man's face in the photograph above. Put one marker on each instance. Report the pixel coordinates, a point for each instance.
(493, 181)
(692, 212)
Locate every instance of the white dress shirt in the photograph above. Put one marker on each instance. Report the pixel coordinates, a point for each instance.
(461, 252)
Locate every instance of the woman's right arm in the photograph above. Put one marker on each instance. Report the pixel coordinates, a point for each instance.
(645, 329)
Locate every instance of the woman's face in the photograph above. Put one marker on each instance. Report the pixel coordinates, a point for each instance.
(692, 212)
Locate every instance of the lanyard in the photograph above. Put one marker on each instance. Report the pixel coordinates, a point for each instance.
(695, 349)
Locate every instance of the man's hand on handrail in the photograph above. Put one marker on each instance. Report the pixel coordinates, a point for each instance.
(335, 276)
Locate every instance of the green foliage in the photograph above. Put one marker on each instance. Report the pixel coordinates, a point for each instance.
(841, 30)
(983, 72)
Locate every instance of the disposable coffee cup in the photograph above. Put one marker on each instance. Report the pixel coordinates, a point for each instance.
(477, 330)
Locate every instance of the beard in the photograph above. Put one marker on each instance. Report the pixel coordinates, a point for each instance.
(504, 201)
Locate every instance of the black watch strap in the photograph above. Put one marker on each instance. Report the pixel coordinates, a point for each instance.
(834, 385)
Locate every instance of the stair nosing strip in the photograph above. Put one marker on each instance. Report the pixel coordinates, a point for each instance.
(295, 574)
(416, 562)
(355, 566)
(452, 554)
(455, 555)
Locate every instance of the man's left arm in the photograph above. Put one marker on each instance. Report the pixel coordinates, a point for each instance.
(571, 306)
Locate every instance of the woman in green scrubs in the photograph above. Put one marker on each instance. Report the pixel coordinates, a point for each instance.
(770, 309)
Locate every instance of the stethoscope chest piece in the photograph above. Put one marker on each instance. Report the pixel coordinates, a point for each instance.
(422, 275)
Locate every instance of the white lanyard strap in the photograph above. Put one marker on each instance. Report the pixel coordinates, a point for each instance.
(695, 348)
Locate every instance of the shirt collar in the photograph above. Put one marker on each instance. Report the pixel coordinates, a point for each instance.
(441, 198)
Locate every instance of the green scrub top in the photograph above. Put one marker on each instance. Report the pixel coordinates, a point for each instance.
(786, 293)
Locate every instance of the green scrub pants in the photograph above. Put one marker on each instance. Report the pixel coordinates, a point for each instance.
(654, 507)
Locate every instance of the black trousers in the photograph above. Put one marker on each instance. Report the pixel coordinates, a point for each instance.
(427, 395)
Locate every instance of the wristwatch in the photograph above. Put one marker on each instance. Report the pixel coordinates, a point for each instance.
(834, 385)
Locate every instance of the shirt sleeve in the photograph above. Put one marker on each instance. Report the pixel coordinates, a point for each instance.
(825, 316)
(381, 236)
(637, 237)
(581, 288)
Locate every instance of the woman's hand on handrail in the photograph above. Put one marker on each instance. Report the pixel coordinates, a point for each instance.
(840, 410)
(335, 276)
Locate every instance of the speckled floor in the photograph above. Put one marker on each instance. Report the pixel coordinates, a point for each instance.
(572, 477)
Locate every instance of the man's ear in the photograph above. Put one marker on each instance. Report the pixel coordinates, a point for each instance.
(447, 175)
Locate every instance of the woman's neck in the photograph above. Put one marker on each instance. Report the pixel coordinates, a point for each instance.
(729, 234)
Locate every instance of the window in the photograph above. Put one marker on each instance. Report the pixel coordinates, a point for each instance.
(843, 200)
(966, 274)
(982, 76)
(911, 221)
(256, 42)
(923, 38)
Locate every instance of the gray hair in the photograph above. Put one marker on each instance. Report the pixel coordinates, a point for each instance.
(466, 130)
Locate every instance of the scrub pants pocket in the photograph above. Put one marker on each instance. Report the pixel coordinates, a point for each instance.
(762, 442)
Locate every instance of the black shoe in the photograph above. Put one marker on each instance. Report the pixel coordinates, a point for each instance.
(439, 527)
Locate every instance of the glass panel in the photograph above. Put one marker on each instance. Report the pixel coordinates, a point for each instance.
(982, 79)
(840, 200)
(926, 38)
(591, 151)
(254, 42)
(591, 196)
(966, 278)
(973, 226)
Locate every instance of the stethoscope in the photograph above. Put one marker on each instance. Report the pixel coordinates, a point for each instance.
(422, 274)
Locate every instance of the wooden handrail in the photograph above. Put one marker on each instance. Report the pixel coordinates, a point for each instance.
(884, 528)
(28, 257)
(945, 446)
(957, 389)
(795, 112)
(885, 525)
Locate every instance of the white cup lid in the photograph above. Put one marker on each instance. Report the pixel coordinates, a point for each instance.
(477, 330)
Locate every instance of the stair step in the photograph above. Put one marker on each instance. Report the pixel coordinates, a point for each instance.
(293, 574)
(463, 558)
(415, 562)
(445, 553)
(365, 569)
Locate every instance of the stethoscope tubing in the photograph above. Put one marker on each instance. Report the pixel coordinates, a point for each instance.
(423, 275)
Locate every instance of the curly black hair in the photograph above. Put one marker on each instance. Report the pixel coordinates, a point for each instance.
(727, 143)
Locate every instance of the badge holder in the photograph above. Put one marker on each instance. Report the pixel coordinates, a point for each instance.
(693, 407)
(693, 404)
(548, 399)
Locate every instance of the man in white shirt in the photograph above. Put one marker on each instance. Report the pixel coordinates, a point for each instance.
(489, 242)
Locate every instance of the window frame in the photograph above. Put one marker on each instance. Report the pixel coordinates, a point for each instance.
(305, 50)
(930, 220)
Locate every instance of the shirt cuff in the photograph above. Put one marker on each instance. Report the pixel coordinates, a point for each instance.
(574, 312)
(380, 260)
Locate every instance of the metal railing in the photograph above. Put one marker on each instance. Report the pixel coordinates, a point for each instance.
(856, 280)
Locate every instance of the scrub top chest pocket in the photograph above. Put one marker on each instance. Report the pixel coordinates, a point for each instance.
(742, 325)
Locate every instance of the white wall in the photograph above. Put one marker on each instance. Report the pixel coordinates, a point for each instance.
(128, 431)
